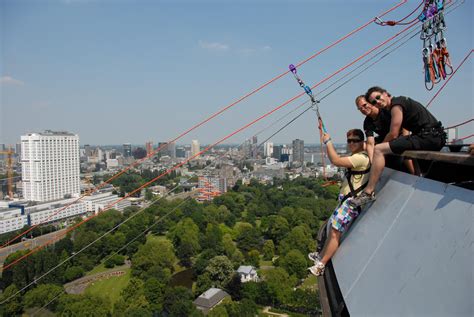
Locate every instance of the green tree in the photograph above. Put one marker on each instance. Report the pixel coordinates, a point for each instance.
(249, 238)
(154, 257)
(42, 295)
(220, 270)
(218, 311)
(185, 237)
(268, 250)
(299, 238)
(154, 292)
(253, 257)
(12, 306)
(83, 305)
(275, 227)
(72, 273)
(229, 245)
(294, 262)
(280, 284)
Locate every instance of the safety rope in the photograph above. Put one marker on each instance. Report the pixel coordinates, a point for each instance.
(436, 61)
(461, 139)
(459, 124)
(379, 21)
(218, 142)
(199, 154)
(137, 162)
(315, 107)
(447, 81)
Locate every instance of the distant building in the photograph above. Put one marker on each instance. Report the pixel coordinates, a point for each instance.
(210, 299)
(210, 187)
(277, 151)
(180, 152)
(195, 148)
(172, 150)
(267, 149)
(149, 147)
(298, 150)
(247, 273)
(50, 165)
(127, 150)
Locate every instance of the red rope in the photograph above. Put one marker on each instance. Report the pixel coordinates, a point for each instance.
(204, 121)
(209, 147)
(447, 81)
(392, 23)
(466, 137)
(459, 124)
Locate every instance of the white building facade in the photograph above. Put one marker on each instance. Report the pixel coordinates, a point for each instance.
(195, 148)
(50, 166)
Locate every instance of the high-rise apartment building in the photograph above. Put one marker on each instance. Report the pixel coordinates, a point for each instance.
(149, 147)
(50, 165)
(195, 147)
(127, 150)
(298, 150)
(267, 149)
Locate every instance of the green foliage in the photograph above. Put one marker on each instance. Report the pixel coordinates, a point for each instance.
(295, 263)
(253, 258)
(185, 237)
(248, 238)
(299, 238)
(115, 260)
(42, 295)
(155, 258)
(280, 284)
(220, 270)
(13, 306)
(72, 273)
(83, 305)
(268, 250)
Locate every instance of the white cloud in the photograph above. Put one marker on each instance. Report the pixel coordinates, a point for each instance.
(213, 46)
(251, 51)
(8, 80)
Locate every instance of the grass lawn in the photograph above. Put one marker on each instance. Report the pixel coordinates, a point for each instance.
(110, 287)
(265, 263)
(98, 269)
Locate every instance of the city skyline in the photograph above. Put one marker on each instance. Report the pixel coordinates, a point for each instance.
(167, 68)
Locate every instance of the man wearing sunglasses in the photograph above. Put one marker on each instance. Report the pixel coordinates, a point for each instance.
(376, 127)
(427, 133)
(358, 166)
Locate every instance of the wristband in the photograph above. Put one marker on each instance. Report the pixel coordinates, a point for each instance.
(326, 142)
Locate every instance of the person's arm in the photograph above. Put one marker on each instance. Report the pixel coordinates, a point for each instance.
(370, 145)
(333, 156)
(395, 124)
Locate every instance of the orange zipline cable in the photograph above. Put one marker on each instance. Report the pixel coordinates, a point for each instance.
(211, 146)
(205, 121)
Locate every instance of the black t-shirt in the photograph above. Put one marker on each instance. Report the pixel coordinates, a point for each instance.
(415, 116)
(379, 125)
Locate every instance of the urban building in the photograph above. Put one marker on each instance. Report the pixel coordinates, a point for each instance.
(277, 151)
(298, 150)
(149, 147)
(267, 149)
(127, 150)
(195, 148)
(210, 187)
(50, 166)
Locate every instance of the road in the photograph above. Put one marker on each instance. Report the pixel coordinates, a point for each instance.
(28, 244)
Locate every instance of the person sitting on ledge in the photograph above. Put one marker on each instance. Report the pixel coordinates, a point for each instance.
(427, 133)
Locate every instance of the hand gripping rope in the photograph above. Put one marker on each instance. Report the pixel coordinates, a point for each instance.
(315, 106)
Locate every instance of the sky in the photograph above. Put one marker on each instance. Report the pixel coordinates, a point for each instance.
(123, 71)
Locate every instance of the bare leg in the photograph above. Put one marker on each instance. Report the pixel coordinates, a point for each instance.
(331, 246)
(378, 164)
(409, 165)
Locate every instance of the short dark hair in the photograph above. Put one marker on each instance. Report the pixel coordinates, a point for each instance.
(358, 98)
(375, 89)
(357, 133)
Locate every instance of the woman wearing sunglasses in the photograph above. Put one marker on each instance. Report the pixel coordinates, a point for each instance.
(358, 166)
(427, 133)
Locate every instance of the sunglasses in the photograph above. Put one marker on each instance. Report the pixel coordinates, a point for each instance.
(374, 101)
(354, 140)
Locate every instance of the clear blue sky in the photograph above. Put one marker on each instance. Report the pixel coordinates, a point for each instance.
(132, 71)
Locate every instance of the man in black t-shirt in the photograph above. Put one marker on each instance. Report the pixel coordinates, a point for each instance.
(427, 133)
(376, 127)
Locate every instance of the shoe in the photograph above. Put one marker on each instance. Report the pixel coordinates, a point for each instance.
(361, 200)
(314, 256)
(317, 269)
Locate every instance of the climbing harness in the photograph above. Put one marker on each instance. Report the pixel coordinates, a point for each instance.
(436, 62)
(315, 107)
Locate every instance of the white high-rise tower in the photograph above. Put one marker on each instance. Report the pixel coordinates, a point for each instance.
(50, 165)
(195, 147)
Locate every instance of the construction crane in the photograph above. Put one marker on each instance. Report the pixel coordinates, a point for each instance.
(9, 154)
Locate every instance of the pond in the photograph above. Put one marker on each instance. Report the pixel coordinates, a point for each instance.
(183, 278)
